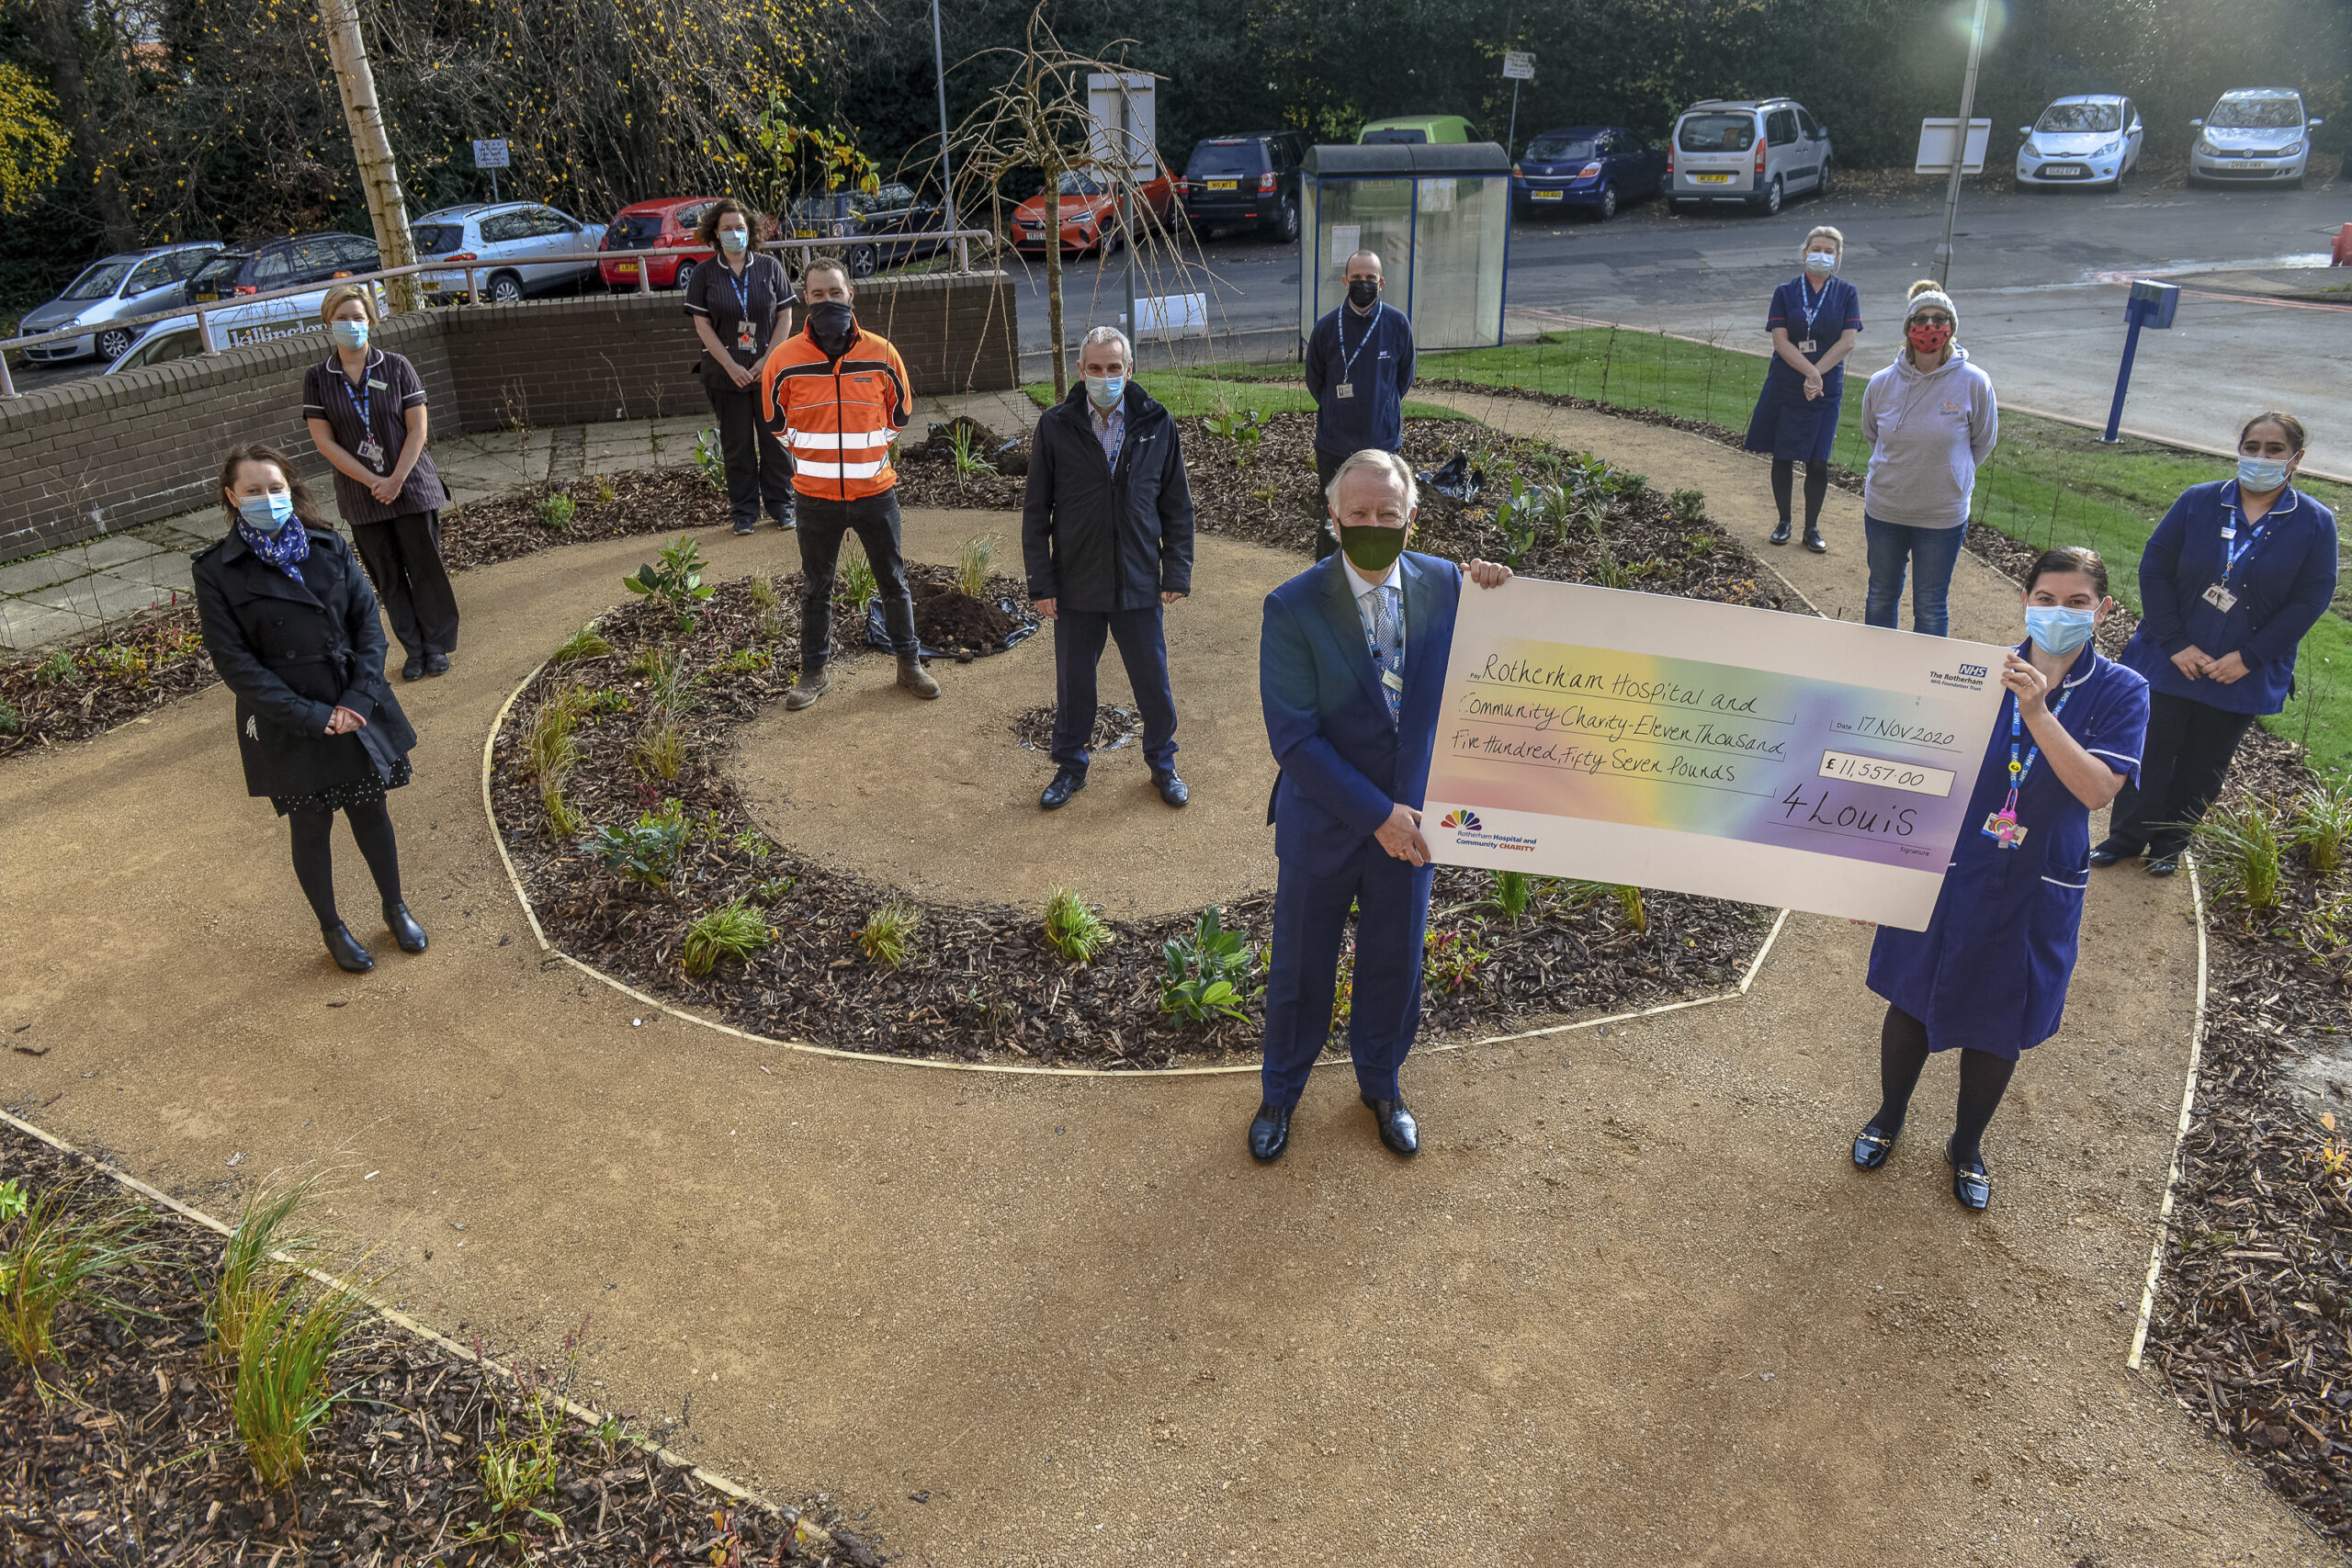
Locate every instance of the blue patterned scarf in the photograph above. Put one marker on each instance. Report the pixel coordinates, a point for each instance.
(286, 549)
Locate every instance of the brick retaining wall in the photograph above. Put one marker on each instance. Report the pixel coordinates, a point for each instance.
(104, 453)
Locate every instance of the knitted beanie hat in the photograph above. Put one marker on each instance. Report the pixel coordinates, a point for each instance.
(1926, 296)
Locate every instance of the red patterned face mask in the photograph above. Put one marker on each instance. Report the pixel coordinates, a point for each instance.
(1928, 340)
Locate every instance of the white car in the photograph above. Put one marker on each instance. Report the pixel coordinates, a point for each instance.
(233, 326)
(511, 233)
(2252, 135)
(2087, 139)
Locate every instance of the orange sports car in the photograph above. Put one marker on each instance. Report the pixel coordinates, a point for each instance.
(1090, 210)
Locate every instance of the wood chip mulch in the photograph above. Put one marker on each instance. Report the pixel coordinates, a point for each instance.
(133, 1459)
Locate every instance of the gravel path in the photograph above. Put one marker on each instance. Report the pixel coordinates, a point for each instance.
(1631, 1304)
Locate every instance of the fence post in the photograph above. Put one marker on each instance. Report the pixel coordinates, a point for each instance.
(204, 331)
(7, 385)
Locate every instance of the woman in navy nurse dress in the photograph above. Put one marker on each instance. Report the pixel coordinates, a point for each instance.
(1988, 975)
(1814, 319)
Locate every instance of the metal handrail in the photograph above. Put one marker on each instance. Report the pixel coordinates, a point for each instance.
(963, 239)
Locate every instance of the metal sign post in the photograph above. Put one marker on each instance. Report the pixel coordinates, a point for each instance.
(946, 167)
(1125, 101)
(1518, 66)
(491, 153)
(1967, 102)
(2151, 305)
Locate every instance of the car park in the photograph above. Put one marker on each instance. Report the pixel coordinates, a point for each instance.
(1754, 151)
(1089, 210)
(884, 227)
(666, 224)
(513, 235)
(235, 325)
(2086, 139)
(2258, 135)
(1593, 167)
(286, 263)
(1418, 128)
(127, 284)
(1248, 179)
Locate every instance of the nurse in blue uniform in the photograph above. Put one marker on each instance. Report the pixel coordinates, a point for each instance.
(1988, 975)
(1814, 319)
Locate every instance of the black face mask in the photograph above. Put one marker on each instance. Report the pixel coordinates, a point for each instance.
(1361, 292)
(832, 325)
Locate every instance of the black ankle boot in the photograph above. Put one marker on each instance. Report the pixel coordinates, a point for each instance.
(404, 928)
(349, 956)
(1781, 533)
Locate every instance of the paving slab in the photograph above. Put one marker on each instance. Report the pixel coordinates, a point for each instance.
(41, 570)
(26, 624)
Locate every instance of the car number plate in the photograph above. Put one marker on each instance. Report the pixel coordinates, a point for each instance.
(626, 270)
(2247, 164)
(1224, 185)
(2066, 171)
(1713, 179)
(1544, 195)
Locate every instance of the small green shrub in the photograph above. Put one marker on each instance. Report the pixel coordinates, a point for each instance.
(963, 451)
(644, 853)
(1519, 517)
(888, 935)
(675, 580)
(1450, 960)
(1207, 976)
(1512, 891)
(585, 643)
(2322, 824)
(1074, 927)
(858, 584)
(557, 511)
(55, 1255)
(662, 751)
(1689, 506)
(13, 1201)
(753, 842)
(281, 1395)
(734, 929)
(519, 1467)
(761, 586)
(710, 460)
(605, 493)
(1630, 908)
(2240, 840)
(774, 889)
(1632, 487)
(11, 721)
(975, 563)
(57, 670)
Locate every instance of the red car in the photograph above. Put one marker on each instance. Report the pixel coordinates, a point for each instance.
(1090, 210)
(654, 225)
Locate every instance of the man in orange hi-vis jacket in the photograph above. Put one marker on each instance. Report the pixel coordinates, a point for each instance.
(837, 395)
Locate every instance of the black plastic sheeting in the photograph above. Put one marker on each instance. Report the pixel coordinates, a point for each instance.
(879, 636)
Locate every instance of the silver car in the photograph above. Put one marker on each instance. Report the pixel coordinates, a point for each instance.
(2087, 139)
(133, 283)
(2252, 135)
(235, 325)
(510, 234)
(1750, 150)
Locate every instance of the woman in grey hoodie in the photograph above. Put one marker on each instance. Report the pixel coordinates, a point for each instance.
(1931, 418)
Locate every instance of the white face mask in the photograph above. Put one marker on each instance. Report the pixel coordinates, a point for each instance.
(1821, 261)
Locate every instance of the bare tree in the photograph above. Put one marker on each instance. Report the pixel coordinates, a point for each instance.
(379, 176)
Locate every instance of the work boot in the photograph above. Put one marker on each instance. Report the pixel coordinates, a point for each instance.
(915, 678)
(812, 684)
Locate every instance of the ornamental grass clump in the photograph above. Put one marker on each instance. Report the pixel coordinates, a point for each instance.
(585, 643)
(1074, 927)
(761, 586)
(56, 1254)
(2322, 824)
(888, 938)
(291, 1334)
(2240, 840)
(975, 563)
(858, 584)
(734, 929)
(259, 1250)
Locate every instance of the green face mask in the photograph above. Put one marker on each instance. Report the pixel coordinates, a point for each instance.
(1371, 547)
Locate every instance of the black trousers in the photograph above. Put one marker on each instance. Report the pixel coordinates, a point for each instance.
(1143, 649)
(759, 470)
(402, 556)
(875, 520)
(2187, 755)
(1325, 539)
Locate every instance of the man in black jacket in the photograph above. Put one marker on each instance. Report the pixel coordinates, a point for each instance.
(1107, 537)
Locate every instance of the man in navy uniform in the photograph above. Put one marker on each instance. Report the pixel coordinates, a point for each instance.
(1359, 368)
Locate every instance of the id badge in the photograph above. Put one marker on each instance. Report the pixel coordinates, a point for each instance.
(2005, 831)
(1393, 681)
(371, 452)
(2220, 598)
(1807, 347)
(1344, 389)
(747, 336)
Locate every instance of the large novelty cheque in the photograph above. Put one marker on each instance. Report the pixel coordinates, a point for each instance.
(1708, 748)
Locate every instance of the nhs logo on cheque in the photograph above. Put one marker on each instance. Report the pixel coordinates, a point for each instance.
(1967, 677)
(1466, 828)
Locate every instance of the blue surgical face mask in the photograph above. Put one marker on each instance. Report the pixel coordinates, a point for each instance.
(266, 514)
(1821, 261)
(2055, 628)
(348, 334)
(1106, 390)
(2261, 474)
(734, 239)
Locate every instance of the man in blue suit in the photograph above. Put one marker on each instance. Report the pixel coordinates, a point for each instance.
(1350, 667)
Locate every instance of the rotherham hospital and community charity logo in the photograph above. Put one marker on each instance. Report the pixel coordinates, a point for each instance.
(1471, 833)
(1465, 820)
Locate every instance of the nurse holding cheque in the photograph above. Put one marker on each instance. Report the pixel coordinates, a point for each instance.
(1989, 973)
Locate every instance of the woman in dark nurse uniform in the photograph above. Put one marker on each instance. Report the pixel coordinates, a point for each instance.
(1814, 319)
(1988, 975)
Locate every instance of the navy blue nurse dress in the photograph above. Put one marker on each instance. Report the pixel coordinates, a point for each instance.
(1786, 422)
(1990, 970)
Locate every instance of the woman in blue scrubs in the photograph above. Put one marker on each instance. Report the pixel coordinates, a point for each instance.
(1814, 319)
(2232, 578)
(1988, 975)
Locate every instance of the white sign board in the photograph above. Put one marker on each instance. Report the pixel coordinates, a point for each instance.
(1518, 66)
(491, 153)
(1171, 316)
(1936, 137)
(1347, 239)
(1109, 97)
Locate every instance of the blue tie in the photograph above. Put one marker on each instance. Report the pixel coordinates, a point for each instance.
(1387, 615)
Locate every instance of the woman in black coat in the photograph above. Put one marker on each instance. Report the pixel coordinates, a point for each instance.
(291, 626)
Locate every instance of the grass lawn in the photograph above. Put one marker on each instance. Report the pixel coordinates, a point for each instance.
(2046, 482)
(1189, 393)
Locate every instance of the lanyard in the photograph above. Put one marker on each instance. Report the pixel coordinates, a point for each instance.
(2018, 770)
(360, 399)
(1347, 360)
(741, 286)
(1380, 654)
(2232, 551)
(1814, 308)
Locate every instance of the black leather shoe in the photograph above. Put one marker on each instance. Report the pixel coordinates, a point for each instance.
(1815, 543)
(404, 928)
(1970, 1183)
(415, 669)
(349, 956)
(1781, 533)
(1066, 783)
(2110, 851)
(2163, 865)
(436, 664)
(1171, 789)
(1269, 1133)
(1397, 1128)
(1871, 1146)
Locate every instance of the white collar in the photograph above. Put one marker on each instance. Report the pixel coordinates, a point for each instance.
(2278, 508)
(1396, 578)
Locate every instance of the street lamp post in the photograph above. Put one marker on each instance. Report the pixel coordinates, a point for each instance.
(946, 168)
(1960, 142)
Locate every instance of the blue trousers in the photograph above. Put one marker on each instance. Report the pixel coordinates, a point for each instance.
(1143, 649)
(1930, 554)
(1392, 906)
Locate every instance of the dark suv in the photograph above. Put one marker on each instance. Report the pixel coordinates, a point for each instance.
(281, 263)
(1247, 179)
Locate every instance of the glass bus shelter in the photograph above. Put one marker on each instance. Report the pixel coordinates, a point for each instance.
(1438, 216)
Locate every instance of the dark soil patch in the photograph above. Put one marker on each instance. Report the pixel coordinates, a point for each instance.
(1112, 727)
(980, 984)
(135, 1459)
(951, 621)
(614, 506)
